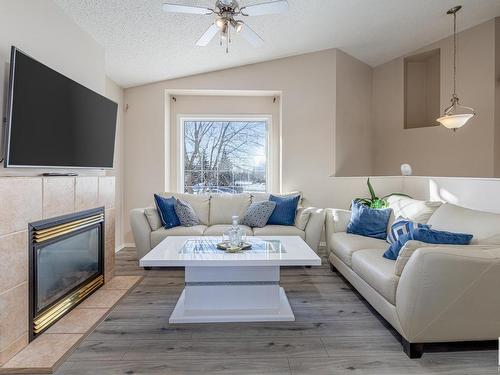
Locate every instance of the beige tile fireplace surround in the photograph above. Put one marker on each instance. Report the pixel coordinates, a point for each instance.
(27, 199)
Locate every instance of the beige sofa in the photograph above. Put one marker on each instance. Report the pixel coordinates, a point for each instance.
(215, 212)
(431, 293)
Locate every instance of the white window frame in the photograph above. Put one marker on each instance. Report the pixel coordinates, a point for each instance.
(180, 142)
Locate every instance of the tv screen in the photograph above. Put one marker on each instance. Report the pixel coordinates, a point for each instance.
(55, 122)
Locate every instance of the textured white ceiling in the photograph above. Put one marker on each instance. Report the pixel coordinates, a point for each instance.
(144, 45)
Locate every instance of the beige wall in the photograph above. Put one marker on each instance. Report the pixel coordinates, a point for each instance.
(436, 150)
(41, 29)
(214, 105)
(307, 83)
(497, 97)
(115, 93)
(422, 90)
(476, 193)
(353, 125)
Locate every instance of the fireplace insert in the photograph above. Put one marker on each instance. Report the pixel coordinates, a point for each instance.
(66, 265)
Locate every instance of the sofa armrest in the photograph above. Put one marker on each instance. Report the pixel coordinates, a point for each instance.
(141, 230)
(411, 246)
(336, 221)
(314, 227)
(450, 293)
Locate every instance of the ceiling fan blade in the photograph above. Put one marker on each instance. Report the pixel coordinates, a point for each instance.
(207, 36)
(177, 8)
(273, 7)
(251, 36)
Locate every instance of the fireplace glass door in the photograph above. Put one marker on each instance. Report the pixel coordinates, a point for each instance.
(64, 264)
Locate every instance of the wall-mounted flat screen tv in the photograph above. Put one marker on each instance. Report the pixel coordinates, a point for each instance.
(55, 122)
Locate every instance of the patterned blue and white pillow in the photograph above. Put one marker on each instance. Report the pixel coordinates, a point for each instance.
(186, 214)
(402, 226)
(258, 213)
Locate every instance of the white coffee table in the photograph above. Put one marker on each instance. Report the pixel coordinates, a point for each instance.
(223, 287)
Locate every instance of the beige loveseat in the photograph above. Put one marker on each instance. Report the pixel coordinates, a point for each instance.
(215, 212)
(431, 293)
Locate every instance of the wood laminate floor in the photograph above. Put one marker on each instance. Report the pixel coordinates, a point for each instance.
(335, 332)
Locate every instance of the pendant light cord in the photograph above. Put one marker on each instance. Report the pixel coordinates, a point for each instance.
(454, 53)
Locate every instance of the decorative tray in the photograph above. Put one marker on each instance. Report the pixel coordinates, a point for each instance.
(233, 249)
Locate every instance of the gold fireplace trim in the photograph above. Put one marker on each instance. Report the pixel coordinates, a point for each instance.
(59, 230)
(52, 314)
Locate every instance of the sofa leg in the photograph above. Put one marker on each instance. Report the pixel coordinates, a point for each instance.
(412, 350)
(332, 268)
(147, 268)
(308, 266)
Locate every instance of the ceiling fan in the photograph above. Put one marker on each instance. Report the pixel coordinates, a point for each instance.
(225, 12)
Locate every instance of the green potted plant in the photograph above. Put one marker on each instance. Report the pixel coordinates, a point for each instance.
(374, 201)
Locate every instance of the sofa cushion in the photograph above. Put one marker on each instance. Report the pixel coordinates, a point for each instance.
(368, 221)
(153, 217)
(302, 218)
(343, 245)
(402, 226)
(186, 214)
(285, 211)
(199, 202)
(377, 271)
(258, 213)
(224, 206)
(427, 235)
(159, 235)
(412, 209)
(166, 210)
(452, 218)
(260, 196)
(279, 230)
(220, 229)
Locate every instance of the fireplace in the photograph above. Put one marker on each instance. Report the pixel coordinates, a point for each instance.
(65, 265)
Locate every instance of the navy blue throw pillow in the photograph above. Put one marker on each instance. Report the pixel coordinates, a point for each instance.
(284, 212)
(369, 222)
(166, 210)
(427, 235)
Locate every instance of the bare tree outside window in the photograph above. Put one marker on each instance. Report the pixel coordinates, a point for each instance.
(225, 156)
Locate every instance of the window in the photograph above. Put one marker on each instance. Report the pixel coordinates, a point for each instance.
(224, 156)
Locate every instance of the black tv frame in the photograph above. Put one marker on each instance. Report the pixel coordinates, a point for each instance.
(7, 120)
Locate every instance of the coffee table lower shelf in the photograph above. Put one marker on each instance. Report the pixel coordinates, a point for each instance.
(283, 313)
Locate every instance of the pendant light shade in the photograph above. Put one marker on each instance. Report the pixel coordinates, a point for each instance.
(454, 121)
(456, 115)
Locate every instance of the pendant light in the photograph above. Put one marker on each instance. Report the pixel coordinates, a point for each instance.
(456, 115)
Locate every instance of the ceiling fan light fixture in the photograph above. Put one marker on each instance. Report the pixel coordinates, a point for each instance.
(238, 25)
(220, 23)
(225, 12)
